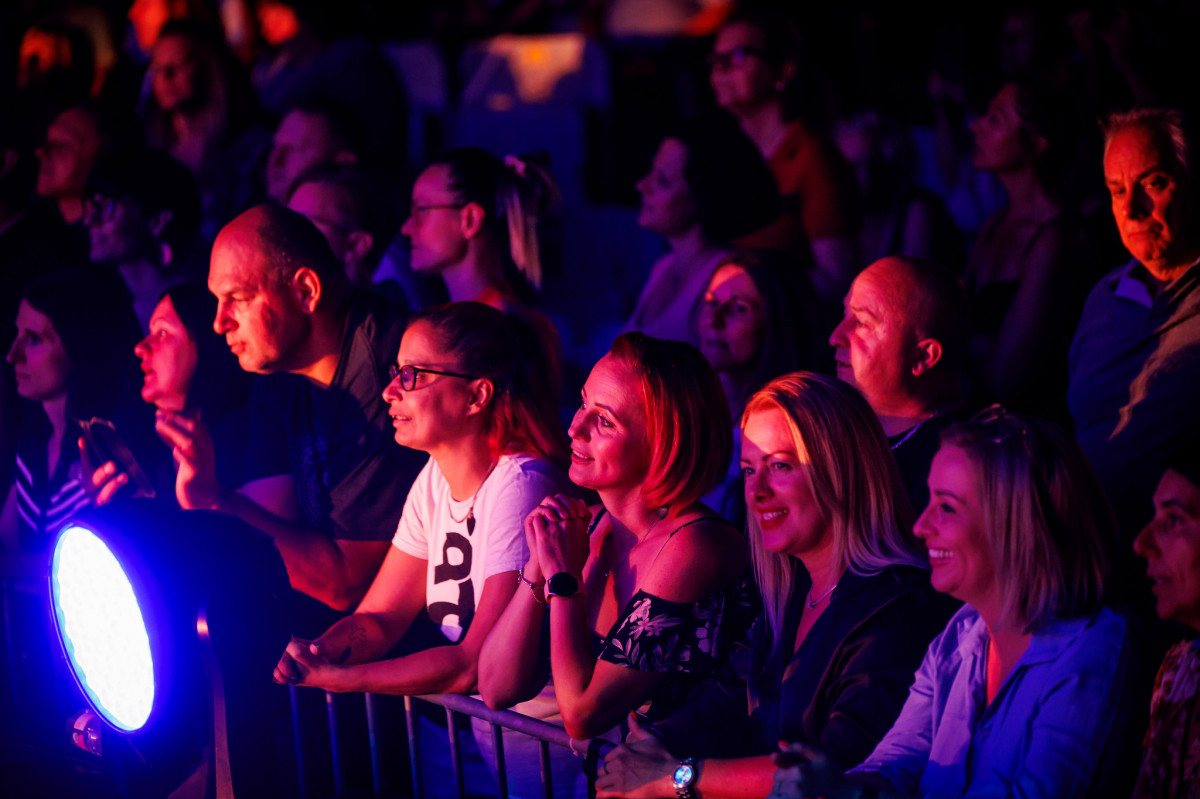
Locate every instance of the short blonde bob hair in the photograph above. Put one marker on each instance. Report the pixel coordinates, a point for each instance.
(1045, 515)
(689, 432)
(855, 481)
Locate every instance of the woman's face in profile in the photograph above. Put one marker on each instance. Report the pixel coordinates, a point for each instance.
(40, 364)
(733, 320)
(952, 527)
(609, 443)
(667, 205)
(434, 412)
(999, 143)
(779, 489)
(168, 358)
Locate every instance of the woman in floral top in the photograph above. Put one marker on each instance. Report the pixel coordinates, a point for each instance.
(1171, 546)
(848, 609)
(651, 572)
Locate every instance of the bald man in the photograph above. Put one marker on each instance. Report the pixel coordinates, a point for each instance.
(325, 479)
(901, 343)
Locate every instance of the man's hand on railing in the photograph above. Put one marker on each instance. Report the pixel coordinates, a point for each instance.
(640, 769)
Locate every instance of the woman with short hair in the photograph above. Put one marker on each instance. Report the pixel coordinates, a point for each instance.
(637, 586)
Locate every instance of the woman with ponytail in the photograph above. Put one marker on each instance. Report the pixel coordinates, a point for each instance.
(473, 222)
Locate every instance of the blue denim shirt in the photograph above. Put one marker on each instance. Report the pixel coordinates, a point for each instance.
(1043, 734)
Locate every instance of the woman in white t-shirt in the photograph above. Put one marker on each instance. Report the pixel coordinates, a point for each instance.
(469, 388)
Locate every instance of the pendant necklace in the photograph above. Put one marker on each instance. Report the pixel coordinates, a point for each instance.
(470, 517)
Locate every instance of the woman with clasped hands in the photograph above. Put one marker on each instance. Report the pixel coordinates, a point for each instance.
(640, 589)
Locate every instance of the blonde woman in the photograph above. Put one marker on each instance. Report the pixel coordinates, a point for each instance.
(847, 605)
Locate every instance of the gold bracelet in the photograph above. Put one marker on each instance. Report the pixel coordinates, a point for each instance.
(533, 587)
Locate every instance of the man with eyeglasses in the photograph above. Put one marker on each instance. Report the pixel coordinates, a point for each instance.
(325, 479)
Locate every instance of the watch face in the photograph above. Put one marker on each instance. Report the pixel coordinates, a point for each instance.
(562, 585)
(683, 775)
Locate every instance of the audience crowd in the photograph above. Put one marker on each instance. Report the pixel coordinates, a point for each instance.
(802, 400)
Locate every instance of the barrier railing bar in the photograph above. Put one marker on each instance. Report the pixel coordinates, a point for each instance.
(335, 744)
(373, 742)
(501, 768)
(535, 728)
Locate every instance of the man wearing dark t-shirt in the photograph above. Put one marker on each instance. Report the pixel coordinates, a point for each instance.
(902, 344)
(325, 479)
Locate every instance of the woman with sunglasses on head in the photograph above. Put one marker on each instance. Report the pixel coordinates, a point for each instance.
(641, 590)
(467, 389)
(1024, 693)
(755, 71)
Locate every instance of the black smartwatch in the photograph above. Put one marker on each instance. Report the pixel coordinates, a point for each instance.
(684, 777)
(562, 585)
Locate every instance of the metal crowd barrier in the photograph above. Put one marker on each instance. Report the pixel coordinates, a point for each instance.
(591, 750)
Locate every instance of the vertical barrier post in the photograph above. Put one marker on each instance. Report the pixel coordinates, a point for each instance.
(501, 769)
(335, 745)
(373, 741)
(297, 741)
(456, 764)
(414, 755)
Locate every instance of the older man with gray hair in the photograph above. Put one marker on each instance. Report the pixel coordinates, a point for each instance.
(1135, 360)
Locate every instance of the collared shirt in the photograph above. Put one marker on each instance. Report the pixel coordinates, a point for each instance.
(1042, 735)
(1135, 377)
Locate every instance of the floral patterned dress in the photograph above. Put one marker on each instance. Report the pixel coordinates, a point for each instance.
(1171, 767)
(691, 641)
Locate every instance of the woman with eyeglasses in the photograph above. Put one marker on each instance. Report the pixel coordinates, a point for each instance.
(755, 72)
(469, 389)
(1025, 691)
(473, 222)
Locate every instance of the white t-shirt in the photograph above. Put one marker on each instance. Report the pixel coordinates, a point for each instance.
(433, 527)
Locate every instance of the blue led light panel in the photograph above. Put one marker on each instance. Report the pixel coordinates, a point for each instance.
(103, 629)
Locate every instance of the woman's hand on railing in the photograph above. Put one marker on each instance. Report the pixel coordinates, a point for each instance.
(640, 769)
(559, 534)
(299, 665)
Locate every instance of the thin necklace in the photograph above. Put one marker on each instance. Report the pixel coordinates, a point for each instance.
(470, 517)
(608, 573)
(812, 603)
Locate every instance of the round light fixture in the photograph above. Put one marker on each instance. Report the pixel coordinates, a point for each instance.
(103, 628)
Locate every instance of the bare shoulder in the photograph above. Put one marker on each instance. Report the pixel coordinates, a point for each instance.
(703, 555)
